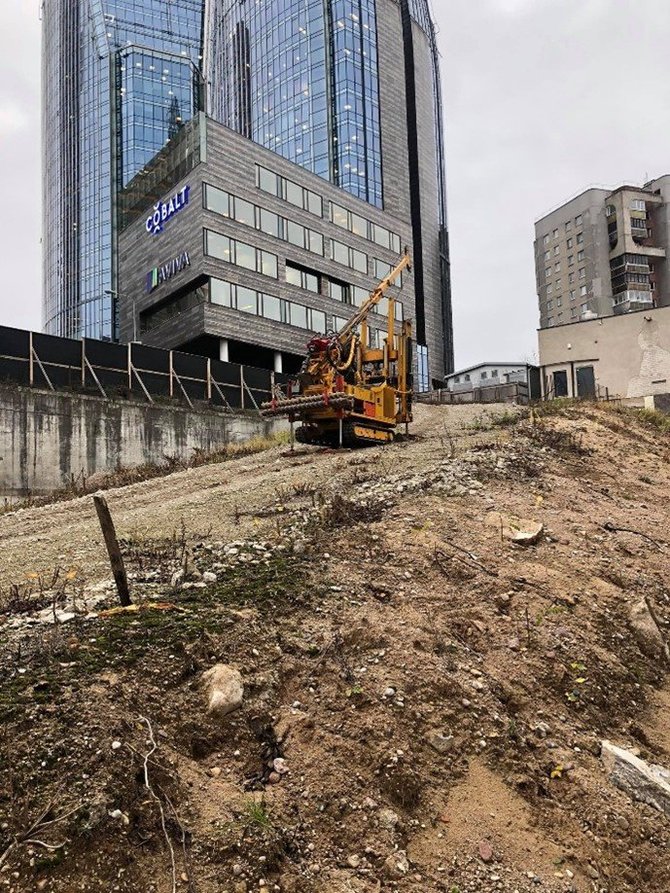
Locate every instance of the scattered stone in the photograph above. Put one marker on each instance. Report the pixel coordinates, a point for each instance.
(396, 866)
(209, 577)
(224, 689)
(280, 766)
(522, 531)
(646, 631)
(640, 780)
(388, 819)
(178, 578)
(215, 772)
(441, 743)
(485, 851)
(353, 861)
(116, 745)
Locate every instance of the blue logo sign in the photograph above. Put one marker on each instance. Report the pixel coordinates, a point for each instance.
(164, 211)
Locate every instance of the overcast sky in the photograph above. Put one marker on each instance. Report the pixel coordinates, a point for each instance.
(542, 99)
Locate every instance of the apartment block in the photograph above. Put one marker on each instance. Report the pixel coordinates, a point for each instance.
(604, 253)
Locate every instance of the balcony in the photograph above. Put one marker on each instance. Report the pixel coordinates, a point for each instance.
(629, 301)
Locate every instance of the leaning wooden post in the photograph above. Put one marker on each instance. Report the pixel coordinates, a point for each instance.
(112, 543)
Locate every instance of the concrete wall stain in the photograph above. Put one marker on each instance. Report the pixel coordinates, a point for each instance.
(47, 439)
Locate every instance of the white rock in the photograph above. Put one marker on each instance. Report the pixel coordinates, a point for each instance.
(209, 577)
(116, 745)
(640, 780)
(224, 689)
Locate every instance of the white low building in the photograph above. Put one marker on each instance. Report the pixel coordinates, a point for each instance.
(487, 375)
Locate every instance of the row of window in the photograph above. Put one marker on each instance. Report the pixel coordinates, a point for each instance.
(573, 315)
(241, 254)
(249, 214)
(290, 192)
(634, 260)
(570, 244)
(583, 291)
(248, 300)
(568, 227)
(268, 222)
(359, 226)
(354, 295)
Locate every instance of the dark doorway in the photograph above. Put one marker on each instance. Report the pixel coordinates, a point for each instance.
(586, 382)
(561, 383)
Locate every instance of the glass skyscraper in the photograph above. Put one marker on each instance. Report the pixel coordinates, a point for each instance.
(300, 77)
(119, 79)
(347, 89)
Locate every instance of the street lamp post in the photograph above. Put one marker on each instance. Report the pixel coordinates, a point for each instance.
(133, 300)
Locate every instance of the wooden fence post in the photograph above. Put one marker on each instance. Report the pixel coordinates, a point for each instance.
(112, 543)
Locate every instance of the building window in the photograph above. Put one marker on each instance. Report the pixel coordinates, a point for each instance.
(580, 255)
(359, 226)
(638, 205)
(559, 302)
(570, 243)
(571, 278)
(610, 211)
(571, 260)
(583, 290)
(302, 278)
(580, 238)
(578, 220)
(348, 257)
(582, 273)
(246, 300)
(484, 375)
(557, 267)
(555, 233)
(573, 295)
(239, 253)
(467, 377)
(550, 289)
(456, 379)
(550, 321)
(584, 307)
(557, 250)
(423, 376)
(494, 373)
(545, 240)
(547, 255)
(288, 191)
(261, 219)
(568, 226)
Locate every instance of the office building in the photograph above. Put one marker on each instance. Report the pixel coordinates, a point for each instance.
(603, 253)
(346, 95)
(244, 257)
(119, 79)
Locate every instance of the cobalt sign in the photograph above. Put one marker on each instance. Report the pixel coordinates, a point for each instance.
(164, 211)
(159, 275)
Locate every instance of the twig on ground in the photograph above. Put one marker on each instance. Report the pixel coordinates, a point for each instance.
(471, 556)
(146, 758)
(37, 826)
(612, 528)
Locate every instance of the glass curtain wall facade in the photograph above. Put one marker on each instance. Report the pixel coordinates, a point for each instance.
(120, 78)
(300, 77)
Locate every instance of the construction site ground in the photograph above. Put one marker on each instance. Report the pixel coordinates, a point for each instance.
(424, 698)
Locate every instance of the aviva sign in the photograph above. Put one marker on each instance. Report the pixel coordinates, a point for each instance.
(162, 274)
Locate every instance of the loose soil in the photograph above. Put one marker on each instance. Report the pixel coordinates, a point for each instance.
(435, 694)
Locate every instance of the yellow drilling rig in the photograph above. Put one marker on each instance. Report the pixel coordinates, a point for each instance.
(349, 393)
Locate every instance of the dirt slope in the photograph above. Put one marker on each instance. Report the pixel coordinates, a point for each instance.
(424, 699)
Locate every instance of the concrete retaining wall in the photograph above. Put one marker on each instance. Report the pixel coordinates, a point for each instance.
(48, 439)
